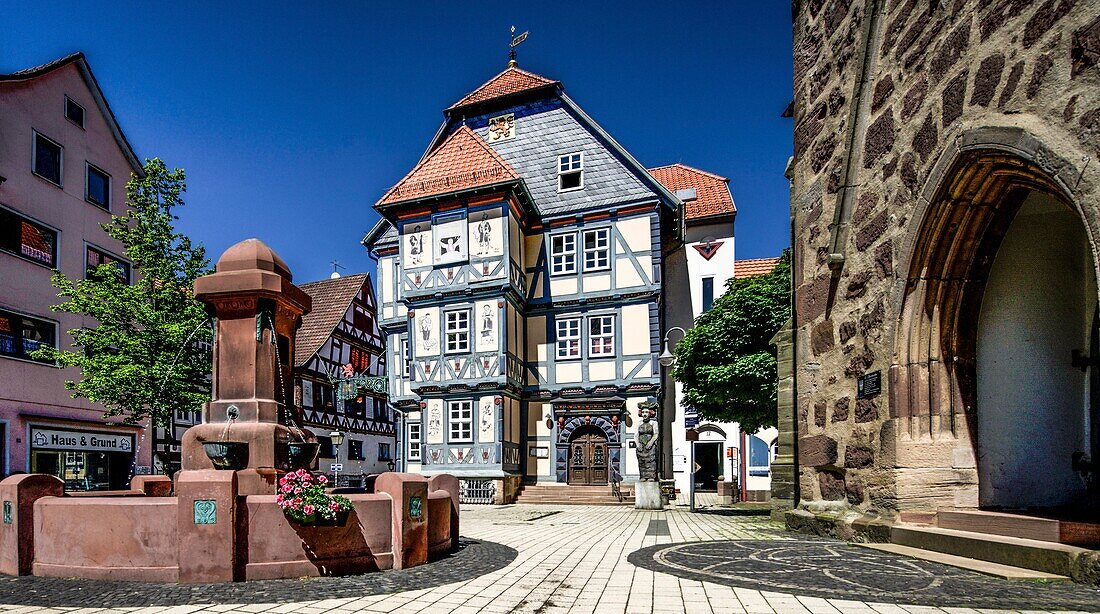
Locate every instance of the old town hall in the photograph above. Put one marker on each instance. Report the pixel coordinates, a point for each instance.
(521, 266)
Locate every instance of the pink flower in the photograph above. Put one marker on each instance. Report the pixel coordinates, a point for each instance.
(334, 506)
(307, 509)
(279, 499)
(322, 479)
(296, 502)
(300, 473)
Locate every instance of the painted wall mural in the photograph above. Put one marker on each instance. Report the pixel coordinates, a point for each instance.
(487, 419)
(435, 421)
(416, 245)
(488, 234)
(426, 331)
(485, 316)
(450, 239)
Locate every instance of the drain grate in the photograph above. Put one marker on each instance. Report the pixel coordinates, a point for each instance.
(658, 528)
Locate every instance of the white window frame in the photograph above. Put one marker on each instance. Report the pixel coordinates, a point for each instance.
(461, 340)
(569, 163)
(568, 339)
(460, 421)
(413, 441)
(60, 163)
(567, 254)
(607, 332)
(595, 252)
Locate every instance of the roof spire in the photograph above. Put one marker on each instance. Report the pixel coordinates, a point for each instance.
(516, 40)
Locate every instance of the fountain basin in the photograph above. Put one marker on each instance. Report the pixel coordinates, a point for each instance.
(301, 454)
(227, 455)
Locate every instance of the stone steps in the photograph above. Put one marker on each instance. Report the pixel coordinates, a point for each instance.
(1037, 555)
(998, 570)
(573, 495)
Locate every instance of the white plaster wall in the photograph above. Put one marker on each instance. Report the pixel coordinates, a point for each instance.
(1037, 308)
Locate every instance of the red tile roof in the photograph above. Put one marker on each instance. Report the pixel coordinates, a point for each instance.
(462, 162)
(331, 299)
(751, 268)
(712, 191)
(512, 81)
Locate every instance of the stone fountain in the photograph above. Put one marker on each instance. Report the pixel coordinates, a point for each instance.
(219, 520)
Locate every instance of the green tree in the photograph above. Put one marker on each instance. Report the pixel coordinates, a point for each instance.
(142, 355)
(726, 363)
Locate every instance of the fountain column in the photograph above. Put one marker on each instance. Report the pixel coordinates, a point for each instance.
(258, 310)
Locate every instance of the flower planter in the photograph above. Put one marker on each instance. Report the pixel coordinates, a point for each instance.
(227, 455)
(301, 454)
(317, 520)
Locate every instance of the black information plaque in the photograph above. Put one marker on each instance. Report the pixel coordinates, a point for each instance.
(869, 385)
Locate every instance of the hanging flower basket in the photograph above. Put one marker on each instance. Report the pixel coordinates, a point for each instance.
(303, 499)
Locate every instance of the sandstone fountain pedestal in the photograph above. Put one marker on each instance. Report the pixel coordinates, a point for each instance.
(257, 310)
(225, 524)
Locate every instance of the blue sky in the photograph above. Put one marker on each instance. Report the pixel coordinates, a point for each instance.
(292, 119)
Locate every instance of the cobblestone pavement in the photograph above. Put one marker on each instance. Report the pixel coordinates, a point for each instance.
(570, 559)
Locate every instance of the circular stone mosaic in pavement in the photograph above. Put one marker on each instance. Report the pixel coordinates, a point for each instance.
(473, 559)
(837, 570)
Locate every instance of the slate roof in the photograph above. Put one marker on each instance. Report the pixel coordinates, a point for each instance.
(753, 267)
(712, 192)
(97, 94)
(510, 81)
(540, 138)
(462, 162)
(331, 299)
(383, 233)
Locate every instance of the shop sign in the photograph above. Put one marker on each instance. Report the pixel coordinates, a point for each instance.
(74, 440)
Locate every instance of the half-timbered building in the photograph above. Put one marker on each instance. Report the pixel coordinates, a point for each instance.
(338, 339)
(520, 268)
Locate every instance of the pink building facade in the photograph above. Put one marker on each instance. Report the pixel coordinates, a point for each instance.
(64, 163)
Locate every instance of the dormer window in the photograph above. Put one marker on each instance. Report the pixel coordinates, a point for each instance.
(74, 112)
(571, 172)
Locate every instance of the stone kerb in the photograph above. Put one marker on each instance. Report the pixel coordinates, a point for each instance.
(18, 494)
(409, 516)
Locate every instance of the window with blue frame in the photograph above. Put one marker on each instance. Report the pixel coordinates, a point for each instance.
(708, 293)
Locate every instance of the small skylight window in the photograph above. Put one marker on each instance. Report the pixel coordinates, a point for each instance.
(571, 171)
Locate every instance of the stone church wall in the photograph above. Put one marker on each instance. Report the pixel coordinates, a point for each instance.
(885, 92)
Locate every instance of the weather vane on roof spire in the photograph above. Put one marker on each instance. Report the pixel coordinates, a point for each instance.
(516, 40)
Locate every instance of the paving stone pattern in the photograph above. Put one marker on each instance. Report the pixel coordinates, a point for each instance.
(829, 568)
(570, 559)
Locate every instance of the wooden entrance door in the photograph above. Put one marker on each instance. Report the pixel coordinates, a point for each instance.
(588, 457)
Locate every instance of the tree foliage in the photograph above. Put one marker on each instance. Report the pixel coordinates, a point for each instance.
(140, 353)
(726, 363)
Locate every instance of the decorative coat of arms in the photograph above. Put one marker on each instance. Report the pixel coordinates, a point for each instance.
(502, 127)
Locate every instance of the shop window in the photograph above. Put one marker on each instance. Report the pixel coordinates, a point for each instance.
(460, 420)
(597, 249)
(21, 335)
(569, 338)
(601, 336)
(98, 187)
(355, 449)
(94, 257)
(74, 112)
(26, 239)
(414, 441)
(48, 159)
(563, 253)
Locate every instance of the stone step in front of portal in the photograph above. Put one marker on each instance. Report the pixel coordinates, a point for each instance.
(988, 568)
(999, 523)
(1037, 555)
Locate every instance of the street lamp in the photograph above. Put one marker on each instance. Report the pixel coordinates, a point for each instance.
(337, 438)
(667, 359)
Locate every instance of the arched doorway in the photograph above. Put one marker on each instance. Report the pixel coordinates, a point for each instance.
(1037, 309)
(588, 456)
(987, 405)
